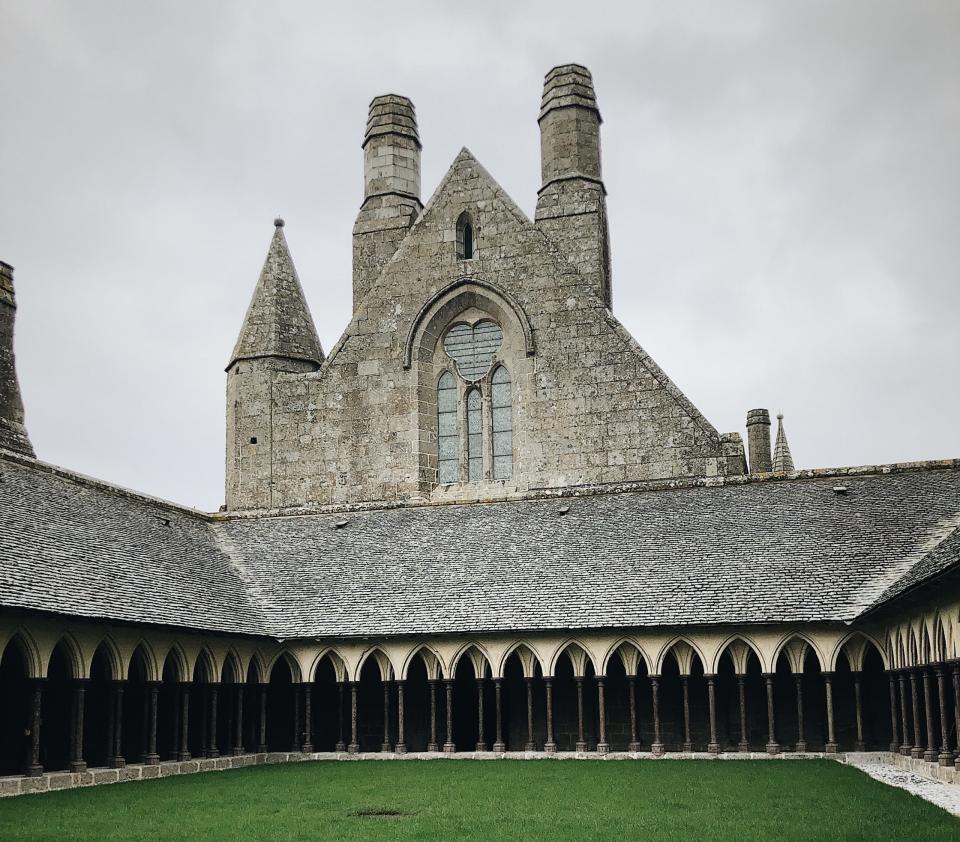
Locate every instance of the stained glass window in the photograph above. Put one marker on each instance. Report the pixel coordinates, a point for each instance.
(447, 439)
(475, 435)
(502, 399)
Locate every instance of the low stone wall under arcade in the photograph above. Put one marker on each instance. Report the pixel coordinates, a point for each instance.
(78, 694)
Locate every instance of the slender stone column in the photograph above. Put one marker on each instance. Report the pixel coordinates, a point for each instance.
(354, 746)
(238, 736)
(307, 747)
(894, 737)
(831, 746)
(151, 757)
(184, 751)
(530, 745)
(204, 720)
(714, 746)
(602, 745)
(214, 750)
(632, 687)
(549, 746)
(955, 669)
(772, 746)
(581, 742)
(175, 730)
(481, 741)
(917, 750)
(744, 744)
(657, 746)
(687, 741)
(905, 748)
(449, 747)
(117, 760)
(945, 757)
(77, 763)
(499, 746)
(401, 746)
(262, 744)
(297, 724)
(341, 744)
(386, 747)
(801, 742)
(930, 755)
(34, 768)
(859, 745)
(433, 745)
(111, 723)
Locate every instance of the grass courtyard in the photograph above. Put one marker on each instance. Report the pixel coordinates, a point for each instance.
(487, 800)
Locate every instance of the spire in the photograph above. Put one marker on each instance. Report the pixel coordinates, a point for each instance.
(13, 435)
(782, 459)
(278, 321)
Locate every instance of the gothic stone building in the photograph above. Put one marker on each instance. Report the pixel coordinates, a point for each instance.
(485, 521)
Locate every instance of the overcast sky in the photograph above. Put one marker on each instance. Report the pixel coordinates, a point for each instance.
(783, 178)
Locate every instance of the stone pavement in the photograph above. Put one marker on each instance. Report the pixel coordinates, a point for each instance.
(878, 766)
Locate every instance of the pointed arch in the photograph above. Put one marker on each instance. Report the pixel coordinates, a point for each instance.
(431, 661)
(177, 658)
(794, 647)
(479, 658)
(74, 656)
(232, 670)
(144, 651)
(112, 655)
(384, 664)
(337, 662)
(205, 667)
(257, 667)
(29, 651)
(739, 647)
(529, 658)
(684, 660)
(292, 664)
(631, 654)
(466, 236)
(578, 653)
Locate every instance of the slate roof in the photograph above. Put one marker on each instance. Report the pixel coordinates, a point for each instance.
(784, 550)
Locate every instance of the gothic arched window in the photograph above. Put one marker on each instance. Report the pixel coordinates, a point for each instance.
(502, 400)
(447, 440)
(465, 237)
(474, 436)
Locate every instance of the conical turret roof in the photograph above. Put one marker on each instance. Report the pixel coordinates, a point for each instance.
(782, 458)
(278, 321)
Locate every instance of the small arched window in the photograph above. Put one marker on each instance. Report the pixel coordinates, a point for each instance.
(474, 436)
(448, 450)
(502, 400)
(465, 236)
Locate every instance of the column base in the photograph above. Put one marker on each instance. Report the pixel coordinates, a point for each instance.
(81, 765)
(185, 755)
(238, 750)
(480, 747)
(905, 750)
(353, 748)
(499, 747)
(550, 748)
(214, 752)
(688, 746)
(400, 748)
(33, 771)
(386, 748)
(262, 748)
(930, 756)
(117, 763)
(307, 748)
(916, 752)
(800, 748)
(830, 748)
(859, 745)
(713, 748)
(945, 758)
(433, 747)
(581, 746)
(148, 760)
(742, 746)
(656, 749)
(633, 747)
(773, 748)
(894, 748)
(529, 747)
(340, 746)
(603, 748)
(449, 748)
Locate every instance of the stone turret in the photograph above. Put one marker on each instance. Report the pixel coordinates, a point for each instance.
(571, 203)
(782, 457)
(391, 188)
(758, 441)
(13, 434)
(278, 336)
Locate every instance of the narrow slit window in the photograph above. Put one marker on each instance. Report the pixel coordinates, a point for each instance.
(448, 450)
(465, 237)
(502, 400)
(474, 435)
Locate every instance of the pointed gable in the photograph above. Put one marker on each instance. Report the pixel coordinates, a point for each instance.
(278, 321)
(782, 458)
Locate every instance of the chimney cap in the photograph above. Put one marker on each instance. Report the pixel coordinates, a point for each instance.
(758, 416)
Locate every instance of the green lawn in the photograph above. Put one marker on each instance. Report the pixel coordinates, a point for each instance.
(490, 800)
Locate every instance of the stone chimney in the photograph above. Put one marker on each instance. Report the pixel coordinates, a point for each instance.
(758, 441)
(571, 203)
(13, 435)
(391, 188)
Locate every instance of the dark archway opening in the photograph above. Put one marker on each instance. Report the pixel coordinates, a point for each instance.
(370, 707)
(97, 714)
(416, 703)
(168, 713)
(281, 728)
(135, 710)
(56, 712)
(326, 699)
(15, 695)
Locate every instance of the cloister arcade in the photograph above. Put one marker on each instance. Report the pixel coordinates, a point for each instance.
(78, 695)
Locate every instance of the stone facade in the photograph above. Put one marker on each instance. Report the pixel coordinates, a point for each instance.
(13, 435)
(588, 404)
